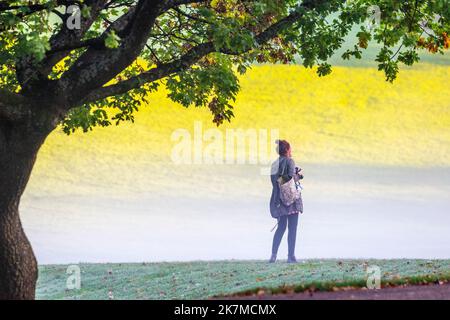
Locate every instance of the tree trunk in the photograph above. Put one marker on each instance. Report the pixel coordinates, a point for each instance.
(19, 144)
(18, 266)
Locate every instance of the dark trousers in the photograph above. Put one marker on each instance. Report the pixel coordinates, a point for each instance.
(291, 221)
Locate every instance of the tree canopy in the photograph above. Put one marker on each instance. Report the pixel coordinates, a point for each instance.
(84, 57)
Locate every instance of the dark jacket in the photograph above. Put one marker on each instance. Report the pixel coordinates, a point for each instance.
(286, 166)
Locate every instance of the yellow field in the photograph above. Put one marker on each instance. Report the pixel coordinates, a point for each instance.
(350, 117)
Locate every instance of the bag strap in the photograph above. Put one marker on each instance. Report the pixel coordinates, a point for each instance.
(274, 225)
(284, 169)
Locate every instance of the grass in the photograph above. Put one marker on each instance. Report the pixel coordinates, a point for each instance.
(203, 279)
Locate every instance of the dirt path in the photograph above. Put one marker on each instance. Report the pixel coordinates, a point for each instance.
(424, 292)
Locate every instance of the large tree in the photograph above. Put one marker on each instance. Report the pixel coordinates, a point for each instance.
(79, 64)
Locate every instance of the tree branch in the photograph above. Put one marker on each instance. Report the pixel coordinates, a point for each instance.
(97, 66)
(5, 6)
(193, 56)
(175, 3)
(29, 71)
(66, 40)
(117, 26)
(12, 105)
(154, 74)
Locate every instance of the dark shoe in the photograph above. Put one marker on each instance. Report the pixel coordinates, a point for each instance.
(273, 258)
(291, 259)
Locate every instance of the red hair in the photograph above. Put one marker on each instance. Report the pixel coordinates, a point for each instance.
(282, 147)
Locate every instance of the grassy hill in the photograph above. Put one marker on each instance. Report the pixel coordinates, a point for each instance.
(350, 117)
(203, 279)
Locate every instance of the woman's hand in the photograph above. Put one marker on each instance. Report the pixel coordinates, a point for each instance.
(298, 174)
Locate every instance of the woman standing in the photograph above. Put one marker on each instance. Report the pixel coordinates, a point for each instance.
(284, 166)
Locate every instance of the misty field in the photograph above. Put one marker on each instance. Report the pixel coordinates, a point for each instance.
(203, 279)
(376, 158)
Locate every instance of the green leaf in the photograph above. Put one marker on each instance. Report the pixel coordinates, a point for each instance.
(323, 69)
(112, 40)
